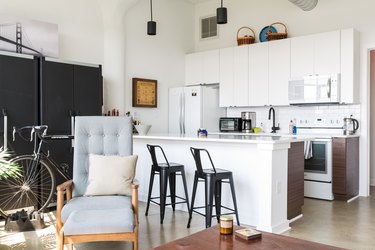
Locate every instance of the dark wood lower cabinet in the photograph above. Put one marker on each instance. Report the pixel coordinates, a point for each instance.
(345, 169)
(296, 164)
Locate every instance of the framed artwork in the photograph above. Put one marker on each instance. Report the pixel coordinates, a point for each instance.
(37, 35)
(145, 93)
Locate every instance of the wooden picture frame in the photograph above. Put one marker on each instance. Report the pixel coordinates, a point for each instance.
(145, 93)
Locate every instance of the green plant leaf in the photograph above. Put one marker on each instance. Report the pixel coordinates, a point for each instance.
(7, 167)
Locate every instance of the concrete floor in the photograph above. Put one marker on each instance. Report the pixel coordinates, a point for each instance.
(347, 225)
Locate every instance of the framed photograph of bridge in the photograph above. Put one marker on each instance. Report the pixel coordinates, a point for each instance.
(26, 36)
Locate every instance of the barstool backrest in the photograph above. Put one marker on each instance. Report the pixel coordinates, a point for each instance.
(198, 161)
(152, 150)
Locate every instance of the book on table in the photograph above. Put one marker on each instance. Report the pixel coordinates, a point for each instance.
(248, 233)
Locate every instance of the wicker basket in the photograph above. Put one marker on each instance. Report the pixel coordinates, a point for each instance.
(247, 39)
(275, 36)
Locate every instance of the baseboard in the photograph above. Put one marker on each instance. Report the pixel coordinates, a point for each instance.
(372, 182)
(352, 199)
(296, 218)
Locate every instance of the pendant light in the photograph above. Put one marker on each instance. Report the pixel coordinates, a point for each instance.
(221, 14)
(151, 25)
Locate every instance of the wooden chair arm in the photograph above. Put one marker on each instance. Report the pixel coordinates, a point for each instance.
(62, 190)
(64, 186)
(135, 185)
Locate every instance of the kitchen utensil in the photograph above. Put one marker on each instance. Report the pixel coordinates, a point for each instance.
(350, 126)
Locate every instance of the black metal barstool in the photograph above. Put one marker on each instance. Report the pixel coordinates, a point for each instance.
(212, 178)
(167, 170)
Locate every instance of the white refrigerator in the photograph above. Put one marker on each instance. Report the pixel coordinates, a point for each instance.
(194, 107)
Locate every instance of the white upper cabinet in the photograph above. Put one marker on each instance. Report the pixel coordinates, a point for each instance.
(202, 67)
(234, 82)
(302, 56)
(258, 74)
(349, 66)
(278, 72)
(327, 53)
(226, 77)
(315, 54)
(241, 76)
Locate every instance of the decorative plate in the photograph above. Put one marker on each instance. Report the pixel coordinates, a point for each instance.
(262, 34)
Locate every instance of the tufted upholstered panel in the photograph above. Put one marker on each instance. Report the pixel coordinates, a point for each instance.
(101, 135)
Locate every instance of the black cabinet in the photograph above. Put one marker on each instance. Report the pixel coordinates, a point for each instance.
(18, 97)
(68, 90)
(50, 93)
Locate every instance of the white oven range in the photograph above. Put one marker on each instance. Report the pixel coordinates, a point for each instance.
(318, 166)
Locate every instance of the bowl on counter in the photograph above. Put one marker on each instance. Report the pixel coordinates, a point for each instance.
(142, 129)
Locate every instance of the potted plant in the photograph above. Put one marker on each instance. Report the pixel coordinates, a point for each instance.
(7, 169)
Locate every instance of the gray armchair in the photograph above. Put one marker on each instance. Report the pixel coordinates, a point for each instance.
(97, 218)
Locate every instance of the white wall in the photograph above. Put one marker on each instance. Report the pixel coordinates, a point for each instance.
(79, 23)
(327, 16)
(160, 57)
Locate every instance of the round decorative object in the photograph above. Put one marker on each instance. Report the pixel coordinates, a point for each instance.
(263, 33)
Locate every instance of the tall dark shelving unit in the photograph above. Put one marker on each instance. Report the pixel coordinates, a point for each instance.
(47, 91)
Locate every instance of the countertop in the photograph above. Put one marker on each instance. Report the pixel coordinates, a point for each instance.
(300, 136)
(226, 137)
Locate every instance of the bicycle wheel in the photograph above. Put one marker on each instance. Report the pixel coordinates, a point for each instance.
(32, 190)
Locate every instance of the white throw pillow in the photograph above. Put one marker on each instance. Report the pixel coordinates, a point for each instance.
(111, 175)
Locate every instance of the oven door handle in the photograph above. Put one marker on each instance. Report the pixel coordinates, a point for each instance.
(322, 139)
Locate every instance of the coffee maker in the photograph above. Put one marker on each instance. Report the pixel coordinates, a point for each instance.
(248, 121)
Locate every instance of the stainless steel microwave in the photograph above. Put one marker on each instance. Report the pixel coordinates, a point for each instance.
(230, 124)
(315, 89)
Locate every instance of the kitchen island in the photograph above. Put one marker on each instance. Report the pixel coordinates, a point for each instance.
(259, 164)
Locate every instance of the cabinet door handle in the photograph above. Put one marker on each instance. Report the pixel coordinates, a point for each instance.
(72, 124)
(329, 85)
(4, 113)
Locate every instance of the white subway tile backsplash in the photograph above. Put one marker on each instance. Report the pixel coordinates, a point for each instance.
(331, 115)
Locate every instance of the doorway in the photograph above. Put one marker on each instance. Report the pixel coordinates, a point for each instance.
(372, 117)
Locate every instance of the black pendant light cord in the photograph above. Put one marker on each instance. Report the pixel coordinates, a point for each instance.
(151, 25)
(221, 3)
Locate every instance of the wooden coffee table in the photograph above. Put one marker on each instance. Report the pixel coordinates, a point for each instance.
(211, 239)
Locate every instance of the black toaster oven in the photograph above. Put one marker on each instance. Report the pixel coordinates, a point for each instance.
(230, 124)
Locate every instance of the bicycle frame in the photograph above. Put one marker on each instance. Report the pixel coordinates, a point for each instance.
(39, 135)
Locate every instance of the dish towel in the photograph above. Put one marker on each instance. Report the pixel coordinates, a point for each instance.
(308, 152)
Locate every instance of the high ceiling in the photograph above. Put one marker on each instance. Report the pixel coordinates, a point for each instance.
(197, 1)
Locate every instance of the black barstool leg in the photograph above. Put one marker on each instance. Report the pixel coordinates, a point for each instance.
(163, 192)
(185, 189)
(150, 190)
(172, 188)
(234, 198)
(218, 199)
(209, 196)
(193, 198)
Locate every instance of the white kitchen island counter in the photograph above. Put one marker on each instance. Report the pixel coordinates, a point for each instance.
(259, 165)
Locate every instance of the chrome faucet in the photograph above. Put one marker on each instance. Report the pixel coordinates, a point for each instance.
(274, 128)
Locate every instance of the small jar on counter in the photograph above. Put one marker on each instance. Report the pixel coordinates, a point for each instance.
(226, 224)
(202, 132)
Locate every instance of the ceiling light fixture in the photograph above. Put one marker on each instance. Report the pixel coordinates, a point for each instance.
(221, 14)
(151, 25)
